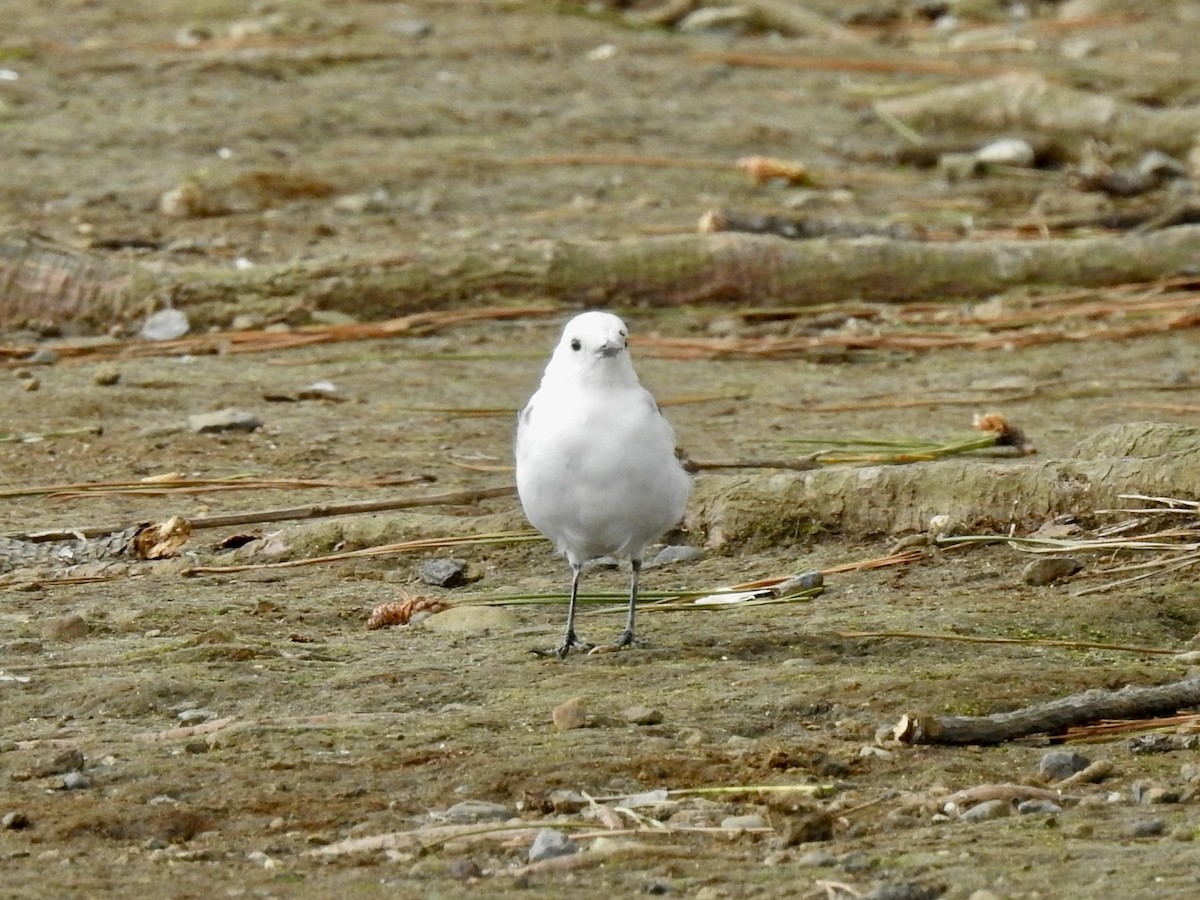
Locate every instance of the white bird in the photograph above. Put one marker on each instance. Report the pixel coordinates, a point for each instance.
(597, 471)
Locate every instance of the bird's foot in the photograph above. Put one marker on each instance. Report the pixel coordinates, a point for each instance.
(570, 642)
(625, 640)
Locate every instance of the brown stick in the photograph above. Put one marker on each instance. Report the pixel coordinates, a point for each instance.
(1052, 717)
(315, 511)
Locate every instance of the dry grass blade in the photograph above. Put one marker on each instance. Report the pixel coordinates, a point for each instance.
(1027, 642)
(497, 537)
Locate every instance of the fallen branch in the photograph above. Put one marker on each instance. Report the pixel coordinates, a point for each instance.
(288, 513)
(49, 283)
(1051, 718)
(1029, 101)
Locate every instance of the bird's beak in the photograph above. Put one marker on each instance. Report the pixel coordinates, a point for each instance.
(611, 348)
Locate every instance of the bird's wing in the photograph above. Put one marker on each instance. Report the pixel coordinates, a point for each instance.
(523, 418)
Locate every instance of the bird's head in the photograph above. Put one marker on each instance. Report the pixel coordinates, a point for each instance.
(593, 345)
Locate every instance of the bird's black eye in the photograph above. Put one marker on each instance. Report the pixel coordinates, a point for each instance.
(575, 345)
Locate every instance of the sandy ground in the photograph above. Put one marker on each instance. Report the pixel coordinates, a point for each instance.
(322, 731)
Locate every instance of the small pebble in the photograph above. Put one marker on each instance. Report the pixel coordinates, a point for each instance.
(64, 628)
(1055, 765)
(816, 859)
(14, 821)
(1146, 793)
(549, 843)
(571, 714)
(642, 715)
(224, 420)
(1050, 569)
(75, 781)
(1032, 807)
(1007, 151)
(1148, 828)
(190, 716)
(411, 28)
(165, 325)
(445, 573)
(30, 384)
(463, 869)
(988, 809)
(106, 375)
(468, 811)
(565, 801)
(675, 553)
(738, 823)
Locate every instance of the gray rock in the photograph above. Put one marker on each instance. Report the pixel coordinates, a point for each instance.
(445, 573)
(1049, 569)
(752, 820)
(75, 781)
(1146, 793)
(166, 325)
(1148, 828)
(549, 843)
(224, 420)
(675, 553)
(190, 716)
(642, 715)
(1032, 807)
(816, 859)
(468, 811)
(988, 809)
(1055, 765)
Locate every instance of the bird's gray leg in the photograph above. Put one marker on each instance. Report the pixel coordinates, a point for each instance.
(569, 638)
(627, 639)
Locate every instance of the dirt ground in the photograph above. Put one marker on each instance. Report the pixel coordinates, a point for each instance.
(406, 135)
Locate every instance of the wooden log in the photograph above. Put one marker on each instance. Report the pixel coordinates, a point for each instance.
(43, 284)
(1052, 717)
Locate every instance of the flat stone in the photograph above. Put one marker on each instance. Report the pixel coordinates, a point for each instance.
(471, 620)
(549, 843)
(224, 420)
(675, 553)
(571, 714)
(1055, 765)
(988, 809)
(642, 715)
(1049, 569)
(468, 811)
(1148, 828)
(75, 781)
(737, 823)
(165, 325)
(445, 573)
(1033, 807)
